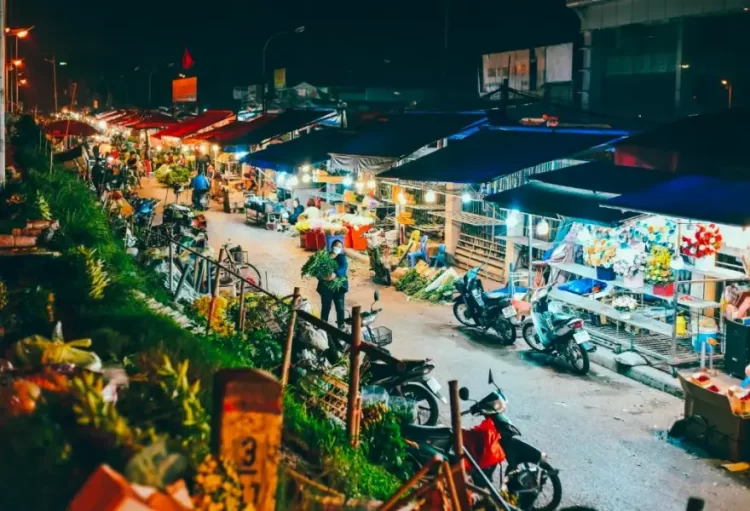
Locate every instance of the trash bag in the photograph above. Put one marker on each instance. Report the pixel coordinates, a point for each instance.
(483, 443)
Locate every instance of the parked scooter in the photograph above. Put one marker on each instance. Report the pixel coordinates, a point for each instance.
(378, 251)
(551, 331)
(476, 308)
(409, 379)
(530, 481)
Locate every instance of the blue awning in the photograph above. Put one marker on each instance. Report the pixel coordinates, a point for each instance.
(305, 150)
(495, 152)
(283, 123)
(605, 176)
(388, 139)
(551, 201)
(701, 198)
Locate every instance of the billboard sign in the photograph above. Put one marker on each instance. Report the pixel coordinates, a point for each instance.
(185, 90)
(279, 78)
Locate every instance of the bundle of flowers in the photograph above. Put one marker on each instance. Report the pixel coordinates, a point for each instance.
(641, 233)
(625, 303)
(630, 267)
(658, 269)
(333, 229)
(600, 253)
(302, 226)
(705, 241)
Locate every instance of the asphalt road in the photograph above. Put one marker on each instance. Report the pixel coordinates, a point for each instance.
(606, 433)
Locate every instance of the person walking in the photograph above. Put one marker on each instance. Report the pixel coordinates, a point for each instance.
(337, 298)
(200, 185)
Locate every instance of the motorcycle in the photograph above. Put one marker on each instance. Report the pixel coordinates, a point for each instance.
(378, 251)
(528, 474)
(144, 211)
(551, 331)
(409, 379)
(473, 307)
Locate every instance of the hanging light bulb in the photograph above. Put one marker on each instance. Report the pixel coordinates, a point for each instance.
(429, 196)
(280, 178)
(347, 181)
(360, 186)
(466, 197)
(401, 198)
(513, 218)
(158, 148)
(677, 263)
(204, 148)
(293, 181)
(305, 168)
(542, 228)
(371, 184)
(306, 178)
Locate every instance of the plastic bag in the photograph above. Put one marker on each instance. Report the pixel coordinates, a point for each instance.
(483, 444)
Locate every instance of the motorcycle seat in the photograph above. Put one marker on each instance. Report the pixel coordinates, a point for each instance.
(497, 294)
(419, 432)
(560, 319)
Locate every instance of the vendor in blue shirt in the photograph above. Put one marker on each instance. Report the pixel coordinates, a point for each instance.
(200, 185)
(336, 298)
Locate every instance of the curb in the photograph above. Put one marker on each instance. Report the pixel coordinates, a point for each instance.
(649, 376)
(359, 256)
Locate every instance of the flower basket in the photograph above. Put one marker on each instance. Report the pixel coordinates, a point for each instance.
(634, 281)
(603, 273)
(314, 241)
(664, 289)
(705, 263)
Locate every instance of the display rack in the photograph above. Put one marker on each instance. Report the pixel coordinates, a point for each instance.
(524, 242)
(468, 218)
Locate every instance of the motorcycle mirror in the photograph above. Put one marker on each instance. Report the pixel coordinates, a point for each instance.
(377, 295)
(463, 393)
(491, 380)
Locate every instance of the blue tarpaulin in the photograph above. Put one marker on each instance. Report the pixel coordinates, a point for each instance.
(701, 198)
(492, 153)
(551, 201)
(605, 176)
(305, 150)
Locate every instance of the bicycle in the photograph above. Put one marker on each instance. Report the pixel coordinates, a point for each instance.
(235, 260)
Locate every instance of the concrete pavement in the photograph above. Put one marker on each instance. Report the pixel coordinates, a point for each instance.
(605, 432)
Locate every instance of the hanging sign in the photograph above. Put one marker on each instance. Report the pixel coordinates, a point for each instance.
(246, 429)
(279, 78)
(185, 90)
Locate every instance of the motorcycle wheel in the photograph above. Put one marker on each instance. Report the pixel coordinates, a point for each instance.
(551, 479)
(426, 402)
(460, 310)
(578, 358)
(531, 338)
(506, 330)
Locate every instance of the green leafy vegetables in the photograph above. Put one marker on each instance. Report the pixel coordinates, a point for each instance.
(321, 265)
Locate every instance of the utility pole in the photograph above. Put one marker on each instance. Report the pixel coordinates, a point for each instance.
(2, 94)
(53, 61)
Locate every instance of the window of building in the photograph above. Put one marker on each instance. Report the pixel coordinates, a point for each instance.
(492, 72)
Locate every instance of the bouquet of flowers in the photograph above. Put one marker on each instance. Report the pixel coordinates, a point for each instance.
(625, 303)
(705, 242)
(649, 235)
(658, 269)
(600, 253)
(630, 267)
(333, 229)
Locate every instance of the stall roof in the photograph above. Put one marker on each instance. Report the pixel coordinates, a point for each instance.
(194, 124)
(400, 135)
(605, 176)
(305, 150)
(702, 198)
(281, 124)
(235, 130)
(493, 152)
(550, 201)
(154, 120)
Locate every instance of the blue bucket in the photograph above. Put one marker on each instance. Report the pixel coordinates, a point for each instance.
(330, 238)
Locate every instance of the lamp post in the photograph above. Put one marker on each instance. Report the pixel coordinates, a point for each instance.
(297, 30)
(18, 33)
(3, 88)
(53, 61)
(728, 85)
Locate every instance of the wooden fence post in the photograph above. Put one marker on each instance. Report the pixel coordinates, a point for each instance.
(214, 291)
(351, 406)
(458, 441)
(241, 319)
(196, 281)
(287, 360)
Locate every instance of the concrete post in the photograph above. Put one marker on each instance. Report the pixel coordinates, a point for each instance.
(452, 228)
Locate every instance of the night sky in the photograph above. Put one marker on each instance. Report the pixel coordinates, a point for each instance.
(389, 42)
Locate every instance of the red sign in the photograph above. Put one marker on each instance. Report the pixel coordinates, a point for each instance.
(185, 90)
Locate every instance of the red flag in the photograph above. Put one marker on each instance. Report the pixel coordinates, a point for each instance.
(187, 60)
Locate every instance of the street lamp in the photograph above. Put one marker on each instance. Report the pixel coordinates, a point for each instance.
(18, 33)
(297, 30)
(728, 85)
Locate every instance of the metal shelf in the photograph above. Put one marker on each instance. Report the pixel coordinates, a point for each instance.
(468, 218)
(524, 242)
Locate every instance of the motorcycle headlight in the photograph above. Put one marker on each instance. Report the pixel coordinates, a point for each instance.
(498, 406)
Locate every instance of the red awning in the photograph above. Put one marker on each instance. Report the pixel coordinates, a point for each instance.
(154, 120)
(195, 124)
(233, 131)
(70, 128)
(126, 119)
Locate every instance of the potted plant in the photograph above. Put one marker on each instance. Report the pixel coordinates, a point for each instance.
(703, 245)
(601, 255)
(625, 304)
(659, 271)
(630, 265)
